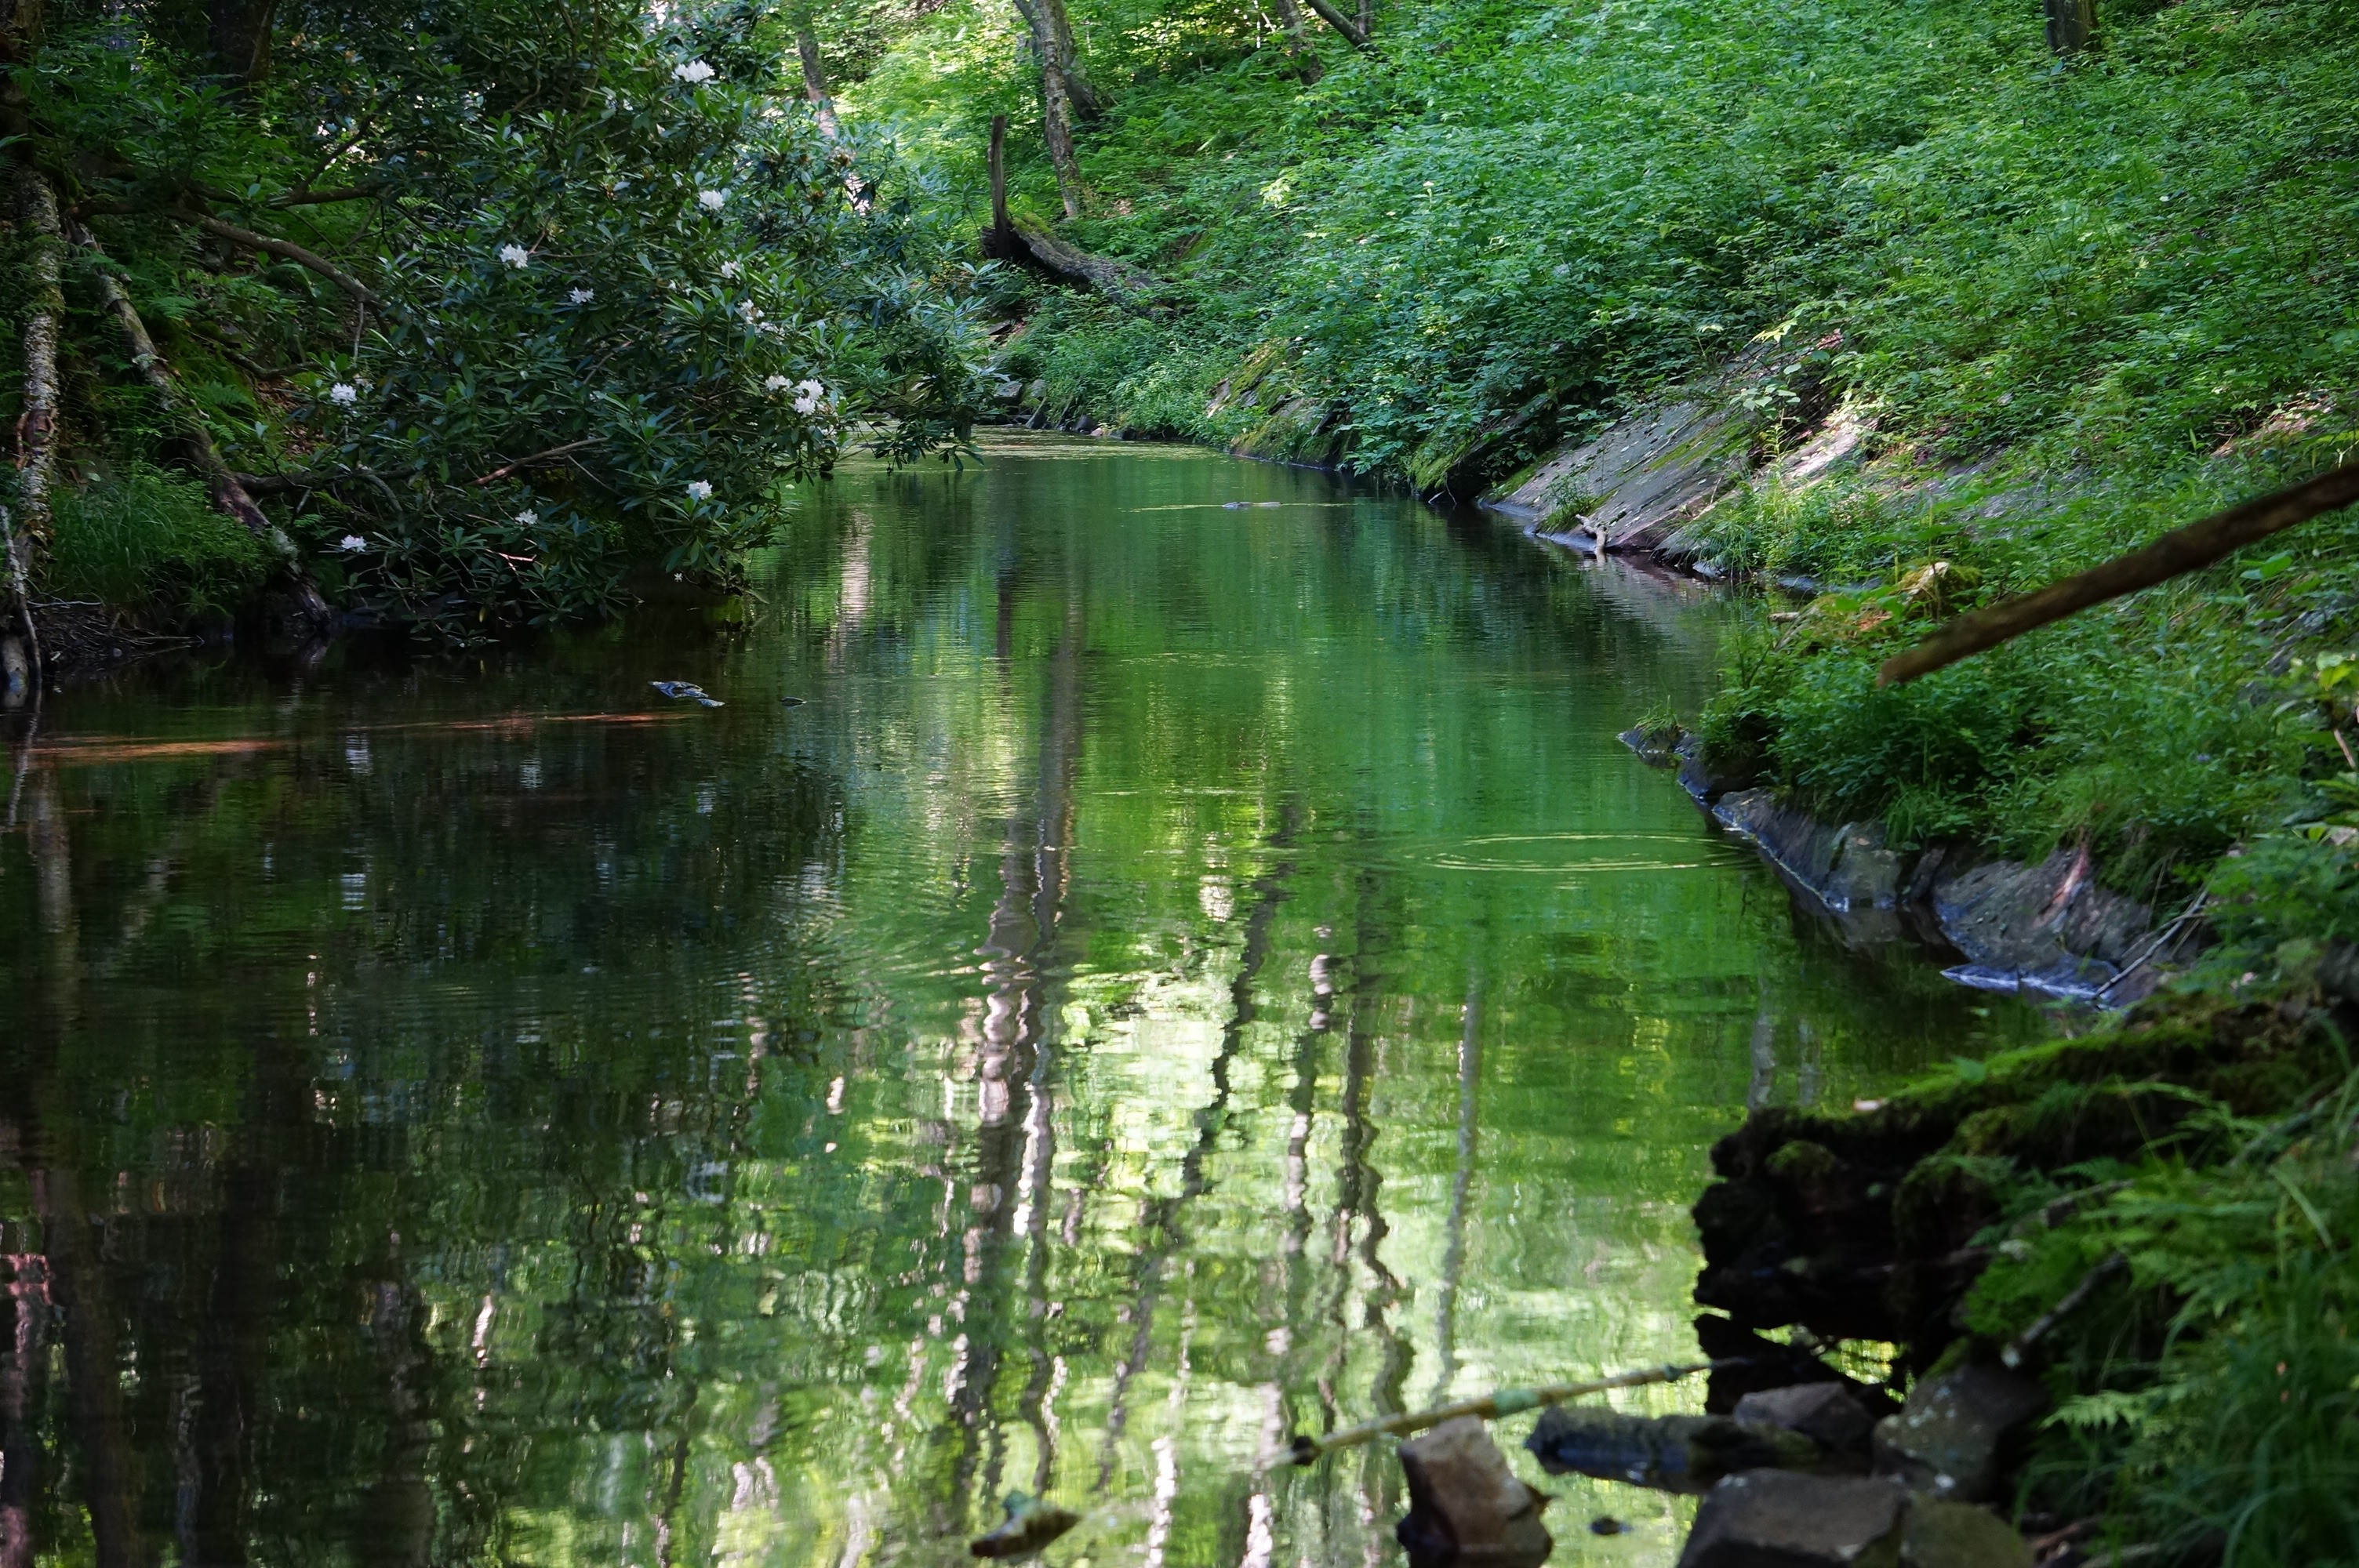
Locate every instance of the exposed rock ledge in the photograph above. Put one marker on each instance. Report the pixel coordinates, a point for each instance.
(2047, 928)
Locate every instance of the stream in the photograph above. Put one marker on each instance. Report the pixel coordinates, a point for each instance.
(1195, 966)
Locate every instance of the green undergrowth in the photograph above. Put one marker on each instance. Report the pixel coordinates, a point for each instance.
(2207, 1387)
(1509, 221)
(2162, 730)
(2190, 1173)
(145, 541)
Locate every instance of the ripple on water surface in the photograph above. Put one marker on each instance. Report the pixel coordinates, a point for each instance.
(1186, 973)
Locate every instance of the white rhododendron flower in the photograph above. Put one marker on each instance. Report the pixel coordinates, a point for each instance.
(516, 256)
(343, 395)
(808, 395)
(712, 201)
(582, 296)
(700, 490)
(352, 542)
(777, 383)
(527, 518)
(729, 269)
(695, 72)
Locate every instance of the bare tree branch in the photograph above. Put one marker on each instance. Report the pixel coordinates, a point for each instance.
(1352, 32)
(286, 249)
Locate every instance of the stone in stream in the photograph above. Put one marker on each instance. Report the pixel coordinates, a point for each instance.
(1673, 1453)
(1030, 1525)
(1952, 1440)
(1823, 1412)
(1959, 1535)
(1777, 1518)
(1466, 1508)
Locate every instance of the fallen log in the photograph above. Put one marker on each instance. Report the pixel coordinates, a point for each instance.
(1028, 243)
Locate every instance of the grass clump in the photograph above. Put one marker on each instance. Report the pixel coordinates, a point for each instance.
(139, 539)
(2207, 1395)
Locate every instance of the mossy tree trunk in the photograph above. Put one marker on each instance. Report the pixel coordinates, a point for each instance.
(1056, 104)
(2071, 24)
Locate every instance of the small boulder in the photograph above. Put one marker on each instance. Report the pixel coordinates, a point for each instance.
(1777, 1518)
(1959, 1535)
(1467, 1509)
(1951, 1438)
(1823, 1412)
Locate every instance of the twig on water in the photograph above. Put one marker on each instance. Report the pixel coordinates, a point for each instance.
(1305, 1449)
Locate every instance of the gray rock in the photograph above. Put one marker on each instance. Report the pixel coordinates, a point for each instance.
(2045, 927)
(1846, 868)
(1823, 1412)
(1959, 1535)
(1952, 1440)
(1645, 476)
(1466, 1508)
(1777, 1518)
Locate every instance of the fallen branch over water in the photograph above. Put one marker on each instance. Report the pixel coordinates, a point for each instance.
(1305, 1449)
(2180, 550)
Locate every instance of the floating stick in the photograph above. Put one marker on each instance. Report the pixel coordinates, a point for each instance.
(1491, 1407)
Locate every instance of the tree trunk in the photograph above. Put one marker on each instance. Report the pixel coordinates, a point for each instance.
(1002, 237)
(1297, 46)
(815, 80)
(237, 33)
(37, 426)
(1057, 129)
(22, 1361)
(1056, 104)
(229, 494)
(1086, 103)
(2070, 24)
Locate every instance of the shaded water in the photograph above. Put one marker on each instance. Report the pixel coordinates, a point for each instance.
(1187, 973)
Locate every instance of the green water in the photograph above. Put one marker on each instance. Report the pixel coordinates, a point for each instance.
(1185, 974)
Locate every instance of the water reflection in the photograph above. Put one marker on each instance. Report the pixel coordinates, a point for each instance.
(1187, 973)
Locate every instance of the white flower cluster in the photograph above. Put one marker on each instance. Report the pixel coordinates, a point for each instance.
(516, 256)
(808, 395)
(712, 201)
(343, 395)
(700, 490)
(351, 542)
(527, 518)
(582, 296)
(695, 74)
(729, 269)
